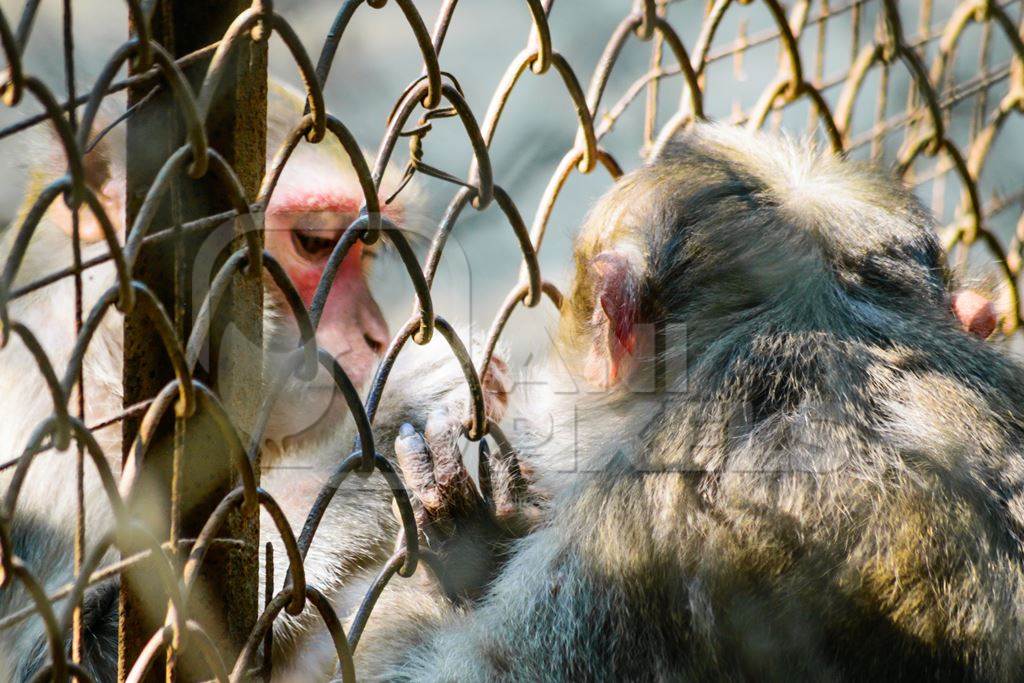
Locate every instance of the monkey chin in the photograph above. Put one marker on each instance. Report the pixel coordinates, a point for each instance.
(329, 434)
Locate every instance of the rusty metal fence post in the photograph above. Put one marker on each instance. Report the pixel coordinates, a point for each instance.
(187, 471)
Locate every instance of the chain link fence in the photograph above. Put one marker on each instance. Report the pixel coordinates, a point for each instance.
(867, 77)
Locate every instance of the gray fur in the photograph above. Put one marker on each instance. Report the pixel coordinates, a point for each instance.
(832, 490)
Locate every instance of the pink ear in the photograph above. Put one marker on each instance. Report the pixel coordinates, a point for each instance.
(616, 293)
(106, 179)
(976, 314)
(614, 318)
(89, 229)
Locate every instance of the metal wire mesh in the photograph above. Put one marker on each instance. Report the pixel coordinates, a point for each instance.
(895, 95)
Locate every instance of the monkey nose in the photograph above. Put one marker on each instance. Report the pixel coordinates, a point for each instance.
(375, 330)
(376, 345)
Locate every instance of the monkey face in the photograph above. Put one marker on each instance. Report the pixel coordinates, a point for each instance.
(352, 328)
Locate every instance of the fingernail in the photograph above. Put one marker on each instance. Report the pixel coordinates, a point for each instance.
(406, 430)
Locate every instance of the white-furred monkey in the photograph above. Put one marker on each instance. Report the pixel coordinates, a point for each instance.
(825, 484)
(309, 433)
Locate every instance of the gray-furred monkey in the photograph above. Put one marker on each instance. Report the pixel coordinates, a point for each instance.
(831, 490)
(317, 197)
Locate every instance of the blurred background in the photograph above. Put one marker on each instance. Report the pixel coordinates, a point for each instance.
(378, 58)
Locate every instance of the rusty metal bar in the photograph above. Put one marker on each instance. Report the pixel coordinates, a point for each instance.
(187, 471)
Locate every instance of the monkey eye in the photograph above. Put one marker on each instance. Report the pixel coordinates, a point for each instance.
(314, 245)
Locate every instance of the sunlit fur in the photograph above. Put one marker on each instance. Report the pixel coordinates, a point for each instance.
(828, 487)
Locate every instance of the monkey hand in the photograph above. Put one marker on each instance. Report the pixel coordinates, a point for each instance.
(467, 529)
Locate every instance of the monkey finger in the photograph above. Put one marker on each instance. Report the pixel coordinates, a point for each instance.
(454, 485)
(484, 474)
(497, 385)
(415, 460)
(509, 491)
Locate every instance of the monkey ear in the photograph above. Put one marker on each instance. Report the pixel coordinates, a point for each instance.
(613, 320)
(975, 312)
(103, 166)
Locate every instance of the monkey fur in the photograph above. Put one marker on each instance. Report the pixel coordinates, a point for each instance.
(799, 467)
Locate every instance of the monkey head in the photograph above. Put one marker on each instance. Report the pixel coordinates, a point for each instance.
(317, 197)
(720, 228)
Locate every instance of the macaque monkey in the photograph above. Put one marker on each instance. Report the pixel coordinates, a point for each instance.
(790, 458)
(317, 197)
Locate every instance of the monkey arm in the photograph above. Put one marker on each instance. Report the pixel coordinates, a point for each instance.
(357, 532)
(414, 635)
